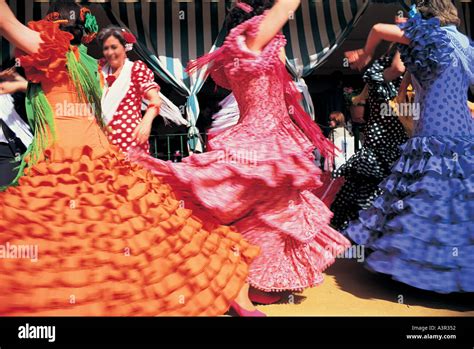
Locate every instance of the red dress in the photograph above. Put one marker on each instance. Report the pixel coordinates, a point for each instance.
(259, 174)
(128, 114)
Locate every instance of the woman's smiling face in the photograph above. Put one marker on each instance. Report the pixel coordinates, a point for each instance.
(114, 52)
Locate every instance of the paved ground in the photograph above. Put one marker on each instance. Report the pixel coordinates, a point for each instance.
(351, 290)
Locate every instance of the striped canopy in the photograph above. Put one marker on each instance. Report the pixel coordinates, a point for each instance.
(172, 32)
(180, 31)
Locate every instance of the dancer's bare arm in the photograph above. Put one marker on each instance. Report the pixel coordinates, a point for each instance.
(142, 132)
(380, 32)
(273, 22)
(362, 97)
(16, 33)
(396, 69)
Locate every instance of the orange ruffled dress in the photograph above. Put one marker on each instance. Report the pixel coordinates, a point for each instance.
(111, 237)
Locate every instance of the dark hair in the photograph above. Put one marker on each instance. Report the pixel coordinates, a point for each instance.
(236, 15)
(444, 10)
(112, 30)
(72, 12)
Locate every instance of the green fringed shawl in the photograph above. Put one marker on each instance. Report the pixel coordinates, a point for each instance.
(84, 74)
(87, 85)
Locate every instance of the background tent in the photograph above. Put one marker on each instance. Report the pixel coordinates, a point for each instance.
(172, 32)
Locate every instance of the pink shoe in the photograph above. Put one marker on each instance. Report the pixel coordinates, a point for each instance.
(264, 298)
(246, 313)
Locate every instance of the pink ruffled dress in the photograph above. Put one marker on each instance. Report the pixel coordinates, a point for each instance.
(259, 174)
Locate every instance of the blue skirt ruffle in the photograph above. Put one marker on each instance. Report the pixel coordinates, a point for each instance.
(421, 228)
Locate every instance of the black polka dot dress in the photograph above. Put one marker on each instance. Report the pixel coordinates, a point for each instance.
(384, 134)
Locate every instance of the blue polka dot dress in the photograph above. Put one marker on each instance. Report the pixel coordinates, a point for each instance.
(384, 134)
(421, 229)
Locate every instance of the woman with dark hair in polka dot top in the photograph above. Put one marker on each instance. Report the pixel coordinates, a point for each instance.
(126, 84)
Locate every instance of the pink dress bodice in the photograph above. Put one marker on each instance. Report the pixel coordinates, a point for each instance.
(249, 74)
(256, 81)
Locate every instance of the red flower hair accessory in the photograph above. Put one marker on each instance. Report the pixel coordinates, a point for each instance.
(129, 38)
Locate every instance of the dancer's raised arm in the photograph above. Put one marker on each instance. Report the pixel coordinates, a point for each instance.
(358, 59)
(276, 18)
(16, 33)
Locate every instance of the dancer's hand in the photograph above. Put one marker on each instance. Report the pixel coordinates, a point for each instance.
(358, 59)
(10, 74)
(400, 20)
(141, 134)
(10, 87)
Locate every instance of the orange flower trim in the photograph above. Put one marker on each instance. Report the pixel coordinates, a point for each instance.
(49, 63)
(83, 12)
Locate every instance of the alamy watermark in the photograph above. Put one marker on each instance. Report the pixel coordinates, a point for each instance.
(37, 332)
(75, 109)
(242, 157)
(401, 109)
(12, 251)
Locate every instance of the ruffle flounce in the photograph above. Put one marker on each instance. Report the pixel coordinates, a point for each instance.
(374, 77)
(422, 226)
(112, 240)
(49, 63)
(429, 52)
